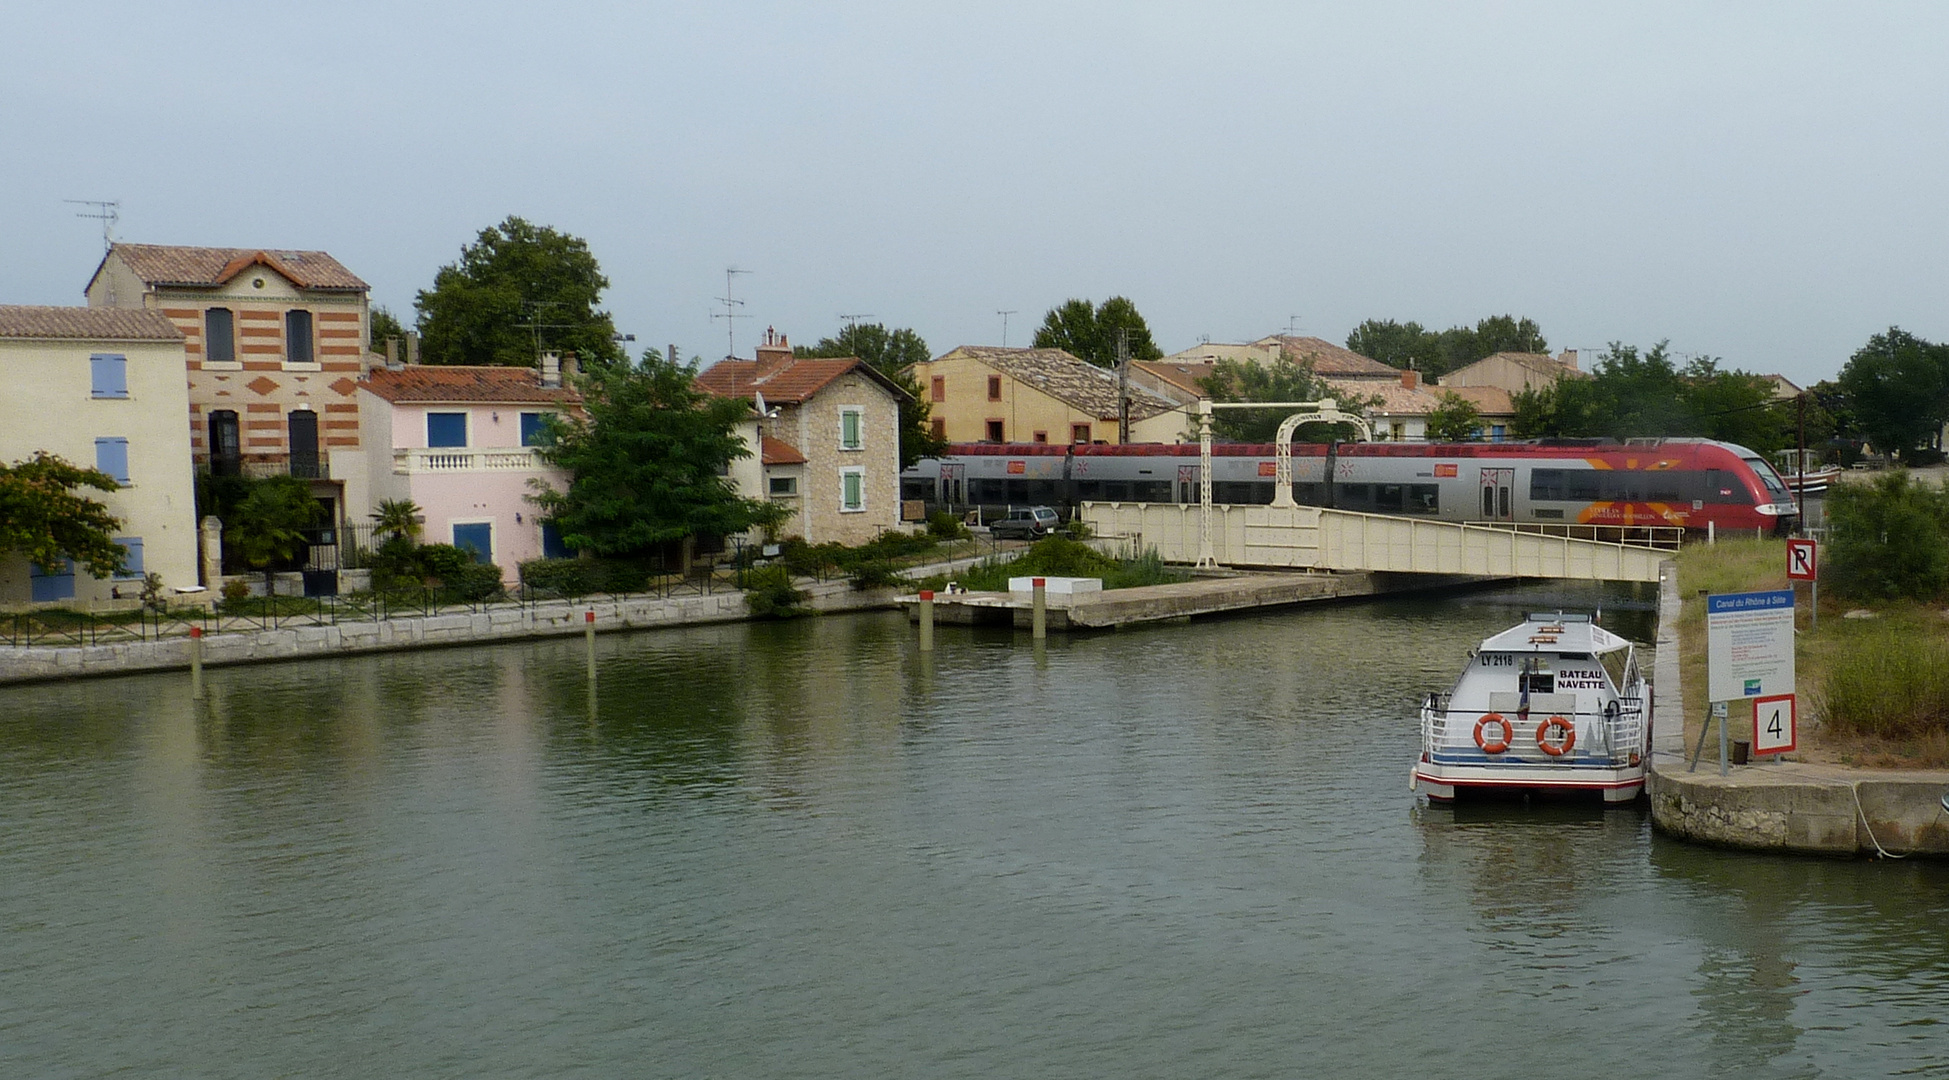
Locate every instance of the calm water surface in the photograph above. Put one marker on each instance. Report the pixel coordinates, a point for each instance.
(800, 850)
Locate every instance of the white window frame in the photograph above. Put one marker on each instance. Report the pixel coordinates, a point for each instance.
(790, 490)
(859, 427)
(852, 470)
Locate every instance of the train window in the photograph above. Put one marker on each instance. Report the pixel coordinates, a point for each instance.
(1580, 485)
(1151, 491)
(1389, 498)
(1664, 487)
(1546, 484)
(1424, 499)
(1089, 491)
(1116, 490)
(1306, 494)
(1354, 497)
(1042, 491)
(911, 488)
(1261, 493)
(987, 491)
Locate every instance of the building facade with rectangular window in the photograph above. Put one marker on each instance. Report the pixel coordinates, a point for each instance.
(984, 394)
(102, 389)
(827, 445)
(463, 445)
(274, 346)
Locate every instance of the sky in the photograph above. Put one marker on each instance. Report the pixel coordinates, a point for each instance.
(1759, 182)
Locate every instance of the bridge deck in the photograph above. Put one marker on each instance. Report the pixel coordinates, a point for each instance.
(1315, 538)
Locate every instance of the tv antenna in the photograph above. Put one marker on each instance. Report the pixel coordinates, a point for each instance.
(106, 211)
(534, 323)
(730, 314)
(1005, 315)
(1292, 326)
(852, 321)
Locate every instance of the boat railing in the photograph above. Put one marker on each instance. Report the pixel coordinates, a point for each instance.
(1614, 736)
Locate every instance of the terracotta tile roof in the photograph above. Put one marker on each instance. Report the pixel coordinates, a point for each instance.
(792, 384)
(465, 385)
(1328, 358)
(1488, 400)
(1077, 383)
(1181, 374)
(779, 452)
(86, 323)
(167, 264)
(1396, 400)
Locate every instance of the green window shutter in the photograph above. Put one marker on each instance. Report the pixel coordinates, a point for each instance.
(849, 429)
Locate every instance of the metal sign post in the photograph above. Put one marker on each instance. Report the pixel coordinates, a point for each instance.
(1803, 565)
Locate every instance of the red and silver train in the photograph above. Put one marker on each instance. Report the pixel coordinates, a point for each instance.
(1671, 482)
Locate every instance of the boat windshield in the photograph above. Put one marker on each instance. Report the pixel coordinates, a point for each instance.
(1617, 664)
(1771, 479)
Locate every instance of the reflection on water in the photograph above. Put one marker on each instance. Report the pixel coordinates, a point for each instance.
(805, 849)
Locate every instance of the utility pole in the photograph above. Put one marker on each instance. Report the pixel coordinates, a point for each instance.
(1800, 464)
(1123, 385)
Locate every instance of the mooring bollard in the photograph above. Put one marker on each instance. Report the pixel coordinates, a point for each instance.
(196, 662)
(1711, 533)
(1039, 612)
(926, 620)
(589, 637)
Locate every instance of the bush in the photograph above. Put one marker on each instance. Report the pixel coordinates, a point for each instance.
(1888, 681)
(942, 525)
(769, 594)
(1889, 538)
(1077, 529)
(400, 565)
(580, 577)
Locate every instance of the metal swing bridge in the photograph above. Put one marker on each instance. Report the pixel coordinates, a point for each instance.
(1286, 535)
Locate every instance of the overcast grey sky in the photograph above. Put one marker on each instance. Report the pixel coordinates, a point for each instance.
(1763, 182)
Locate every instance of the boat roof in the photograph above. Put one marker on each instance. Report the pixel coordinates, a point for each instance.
(1556, 632)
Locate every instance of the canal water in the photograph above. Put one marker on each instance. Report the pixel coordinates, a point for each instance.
(799, 850)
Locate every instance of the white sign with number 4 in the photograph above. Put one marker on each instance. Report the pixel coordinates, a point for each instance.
(1773, 726)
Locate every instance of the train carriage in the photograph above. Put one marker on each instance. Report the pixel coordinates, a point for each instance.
(1689, 483)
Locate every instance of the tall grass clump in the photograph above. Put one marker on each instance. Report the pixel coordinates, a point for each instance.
(1890, 681)
(1888, 539)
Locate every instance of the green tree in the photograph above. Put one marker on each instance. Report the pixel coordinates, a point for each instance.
(1535, 413)
(517, 290)
(268, 527)
(45, 518)
(1402, 345)
(1736, 407)
(892, 353)
(1506, 333)
(1897, 390)
(1456, 419)
(1090, 332)
(1282, 380)
(1889, 539)
(383, 325)
(647, 465)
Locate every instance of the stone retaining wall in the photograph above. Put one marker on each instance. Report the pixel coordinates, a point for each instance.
(509, 623)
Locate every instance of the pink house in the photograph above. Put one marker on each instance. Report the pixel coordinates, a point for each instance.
(461, 442)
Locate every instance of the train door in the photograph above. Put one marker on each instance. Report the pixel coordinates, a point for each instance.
(953, 483)
(1188, 483)
(1498, 494)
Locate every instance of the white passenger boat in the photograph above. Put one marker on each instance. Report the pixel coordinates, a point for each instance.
(1557, 704)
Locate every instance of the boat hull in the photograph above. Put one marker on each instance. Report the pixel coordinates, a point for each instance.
(1443, 782)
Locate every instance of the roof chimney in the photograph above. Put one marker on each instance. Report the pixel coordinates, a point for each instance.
(774, 355)
(412, 346)
(1568, 358)
(551, 370)
(1410, 379)
(392, 352)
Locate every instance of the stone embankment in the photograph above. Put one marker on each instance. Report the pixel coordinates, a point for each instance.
(498, 623)
(1787, 806)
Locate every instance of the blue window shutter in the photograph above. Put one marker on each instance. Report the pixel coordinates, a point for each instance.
(55, 586)
(551, 542)
(112, 457)
(132, 562)
(531, 429)
(446, 429)
(109, 375)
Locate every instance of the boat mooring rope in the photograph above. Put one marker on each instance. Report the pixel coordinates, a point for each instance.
(1854, 788)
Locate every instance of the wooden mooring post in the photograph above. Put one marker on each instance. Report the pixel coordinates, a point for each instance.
(196, 662)
(1039, 609)
(927, 620)
(589, 638)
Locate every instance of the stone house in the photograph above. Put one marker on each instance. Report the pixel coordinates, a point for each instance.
(827, 435)
(462, 443)
(1514, 372)
(981, 393)
(102, 389)
(274, 345)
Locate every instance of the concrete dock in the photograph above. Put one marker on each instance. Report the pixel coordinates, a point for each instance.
(1792, 806)
(1182, 600)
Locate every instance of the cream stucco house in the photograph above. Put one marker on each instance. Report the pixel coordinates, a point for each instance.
(102, 389)
(981, 393)
(274, 346)
(828, 440)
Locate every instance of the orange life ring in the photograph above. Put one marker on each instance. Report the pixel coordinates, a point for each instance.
(1569, 736)
(1499, 745)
